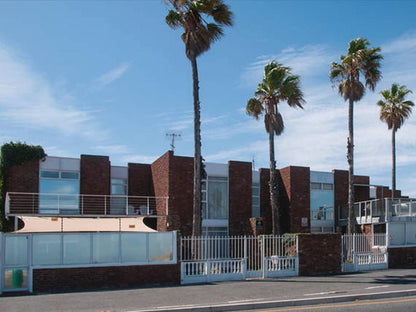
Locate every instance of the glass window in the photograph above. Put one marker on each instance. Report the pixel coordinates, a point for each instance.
(49, 174)
(16, 247)
(327, 186)
(105, 248)
(46, 249)
(133, 247)
(217, 200)
(70, 175)
(59, 192)
(77, 248)
(397, 233)
(411, 233)
(15, 278)
(315, 186)
(160, 246)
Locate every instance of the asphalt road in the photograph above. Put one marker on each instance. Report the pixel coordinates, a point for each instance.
(226, 296)
(392, 305)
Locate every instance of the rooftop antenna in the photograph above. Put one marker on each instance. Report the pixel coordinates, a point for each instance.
(173, 135)
(253, 163)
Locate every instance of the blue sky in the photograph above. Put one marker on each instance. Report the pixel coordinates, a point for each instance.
(111, 78)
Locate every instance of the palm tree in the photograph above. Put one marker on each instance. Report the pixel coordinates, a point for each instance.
(198, 34)
(278, 85)
(364, 61)
(394, 109)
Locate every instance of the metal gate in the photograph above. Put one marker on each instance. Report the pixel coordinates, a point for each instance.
(364, 252)
(208, 259)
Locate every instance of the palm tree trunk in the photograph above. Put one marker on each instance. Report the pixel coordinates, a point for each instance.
(196, 223)
(350, 157)
(274, 192)
(393, 158)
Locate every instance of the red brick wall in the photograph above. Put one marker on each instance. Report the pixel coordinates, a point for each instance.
(173, 177)
(297, 184)
(340, 194)
(319, 254)
(160, 174)
(240, 197)
(181, 193)
(24, 178)
(404, 257)
(361, 193)
(140, 180)
(95, 179)
(385, 192)
(104, 277)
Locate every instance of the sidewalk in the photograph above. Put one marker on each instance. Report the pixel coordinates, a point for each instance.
(228, 296)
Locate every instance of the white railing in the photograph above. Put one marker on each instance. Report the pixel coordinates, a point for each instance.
(379, 210)
(81, 204)
(206, 259)
(363, 252)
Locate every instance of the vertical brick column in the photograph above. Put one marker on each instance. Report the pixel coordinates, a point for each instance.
(182, 194)
(95, 180)
(140, 180)
(240, 197)
(160, 177)
(340, 195)
(362, 189)
(297, 185)
(24, 178)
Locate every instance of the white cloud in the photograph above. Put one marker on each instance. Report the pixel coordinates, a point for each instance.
(113, 149)
(28, 100)
(112, 75)
(404, 44)
(305, 61)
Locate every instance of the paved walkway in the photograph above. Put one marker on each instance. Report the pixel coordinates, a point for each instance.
(226, 296)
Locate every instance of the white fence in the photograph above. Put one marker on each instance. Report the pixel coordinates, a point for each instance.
(364, 252)
(207, 259)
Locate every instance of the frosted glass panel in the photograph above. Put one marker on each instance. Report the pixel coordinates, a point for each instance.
(105, 248)
(77, 248)
(46, 249)
(411, 233)
(15, 278)
(397, 233)
(160, 246)
(16, 250)
(133, 247)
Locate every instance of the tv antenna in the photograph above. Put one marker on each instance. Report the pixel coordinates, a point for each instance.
(173, 135)
(253, 162)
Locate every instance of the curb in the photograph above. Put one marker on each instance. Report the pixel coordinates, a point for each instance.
(238, 306)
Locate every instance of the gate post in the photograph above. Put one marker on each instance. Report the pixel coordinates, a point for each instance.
(245, 260)
(263, 257)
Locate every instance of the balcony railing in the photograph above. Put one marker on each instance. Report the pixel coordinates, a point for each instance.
(18, 204)
(378, 210)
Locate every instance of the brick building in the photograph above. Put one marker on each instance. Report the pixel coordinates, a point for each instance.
(61, 194)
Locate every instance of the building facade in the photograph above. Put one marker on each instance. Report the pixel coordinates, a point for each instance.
(63, 193)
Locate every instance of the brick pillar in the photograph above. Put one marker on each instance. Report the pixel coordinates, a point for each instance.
(240, 197)
(95, 180)
(24, 178)
(182, 194)
(140, 180)
(296, 181)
